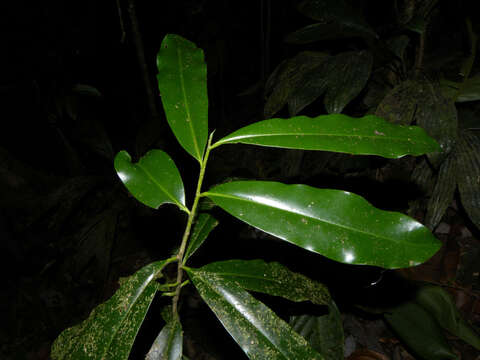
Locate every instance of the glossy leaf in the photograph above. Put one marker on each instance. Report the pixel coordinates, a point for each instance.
(468, 174)
(154, 180)
(327, 31)
(419, 330)
(111, 328)
(270, 278)
(288, 76)
(443, 192)
(348, 75)
(369, 135)
(182, 81)
(261, 334)
(169, 343)
(438, 303)
(204, 224)
(337, 224)
(323, 333)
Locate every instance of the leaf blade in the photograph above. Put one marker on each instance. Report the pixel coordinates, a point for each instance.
(369, 135)
(169, 343)
(153, 180)
(204, 224)
(111, 328)
(339, 225)
(182, 81)
(259, 332)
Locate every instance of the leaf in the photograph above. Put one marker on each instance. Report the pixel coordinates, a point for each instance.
(323, 333)
(154, 180)
(337, 224)
(469, 90)
(419, 330)
(328, 31)
(204, 224)
(349, 72)
(288, 76)
(369, 135)
(399, 105)
(169, 343)
(270, 278)
(440, 305)
(468, 174)
(337, 12)
(111, 328)
(182, 81)
(261, 334)
(443, 193)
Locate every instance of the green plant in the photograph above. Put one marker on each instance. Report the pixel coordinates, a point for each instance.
(339, 225)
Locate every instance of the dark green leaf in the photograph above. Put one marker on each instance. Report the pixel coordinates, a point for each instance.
(270, 278)
(337, 12)
(204, 224)
(337, 224)
(468, 174)
(443, 192)
(419, 330)
(399, 105)
(470, 90)
(328, 31)
(182, 81)
(348, 74)
(154, 180)
(288, 77)
(111, 328)
(260, 333)
(369, 135)
(323, 333)
(440, 305)
(169, 343)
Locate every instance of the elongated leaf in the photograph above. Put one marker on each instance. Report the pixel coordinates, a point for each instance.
(270, 278)
(288, 76)
(337, 224)
(419, 330)
(169, 343)
(327, 31)
(468, 174)
(323, 333)
(204, 224)
(260, 333)
(154, 180)
(440, 305)
(182, 80)
(443, 192)
(369, 135)
(349, 73)
(111, 328)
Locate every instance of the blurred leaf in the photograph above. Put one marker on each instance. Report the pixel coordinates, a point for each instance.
(328, 31)
(420, 332)
(153, 180)
(468, 174)
(111, 328)
(469, 90)
(369, 135)
(204, 224)
(423, 177)
(270, 278)
(398, 44)
(438, 116)
(84, 89)
(182, 81)
(337, 12)
(399, 105)
(261, 334)
(287, 77)
(169, 343)
(323, 333)
(337, 224)
(438, 303)
(443, 192)
(348, 74)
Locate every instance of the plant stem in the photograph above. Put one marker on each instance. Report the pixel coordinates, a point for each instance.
(186, 234)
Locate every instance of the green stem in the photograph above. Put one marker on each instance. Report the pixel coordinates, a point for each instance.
(186, 234)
